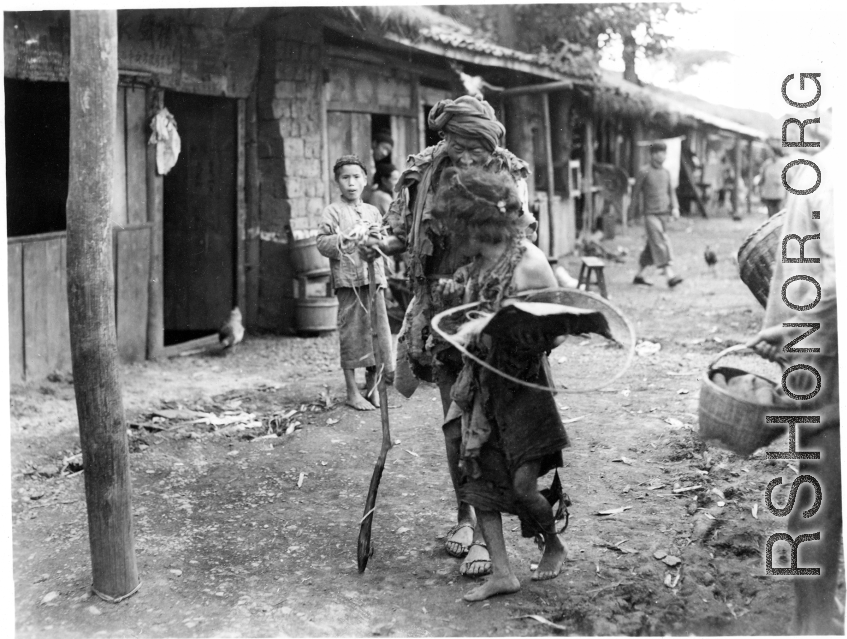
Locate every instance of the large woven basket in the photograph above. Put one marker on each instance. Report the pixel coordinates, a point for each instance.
(757, 256)
(730, 421)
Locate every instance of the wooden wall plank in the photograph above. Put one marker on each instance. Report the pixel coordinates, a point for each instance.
(133, 268)
(251, 312)
(360, 137)
(338, 127)
(137, 133)
(36, 279)
(241, 206)
(119, 215)
(15, 293)
(47, 334)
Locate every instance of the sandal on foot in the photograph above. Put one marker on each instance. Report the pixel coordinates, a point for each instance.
(469, 568)
(640, 280)
(463, 549)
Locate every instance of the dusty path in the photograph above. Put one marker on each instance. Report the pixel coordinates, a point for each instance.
(229, 545)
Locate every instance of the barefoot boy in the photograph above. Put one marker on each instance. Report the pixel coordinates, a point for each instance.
(339, 223)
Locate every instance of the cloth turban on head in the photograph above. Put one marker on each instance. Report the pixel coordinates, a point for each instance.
(468, 117)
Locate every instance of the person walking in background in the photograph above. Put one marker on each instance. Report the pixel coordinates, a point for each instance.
(654, 196)
(771, 190)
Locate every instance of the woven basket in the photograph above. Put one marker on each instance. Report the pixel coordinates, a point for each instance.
(757, 256)
(732, 422)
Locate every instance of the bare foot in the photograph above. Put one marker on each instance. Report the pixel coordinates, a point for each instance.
(494, 586)
(477, 563)
(358, 402)
(372, 395)
(551, 561)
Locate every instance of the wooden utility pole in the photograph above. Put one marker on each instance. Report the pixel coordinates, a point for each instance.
(102, 424)
(588, 178)
(551, 188)
(736, 162)
(749, 181)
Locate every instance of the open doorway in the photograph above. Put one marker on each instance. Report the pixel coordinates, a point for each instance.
(37, 150)
(200, 218)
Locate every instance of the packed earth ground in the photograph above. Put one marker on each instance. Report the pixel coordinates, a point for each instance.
(249, 476)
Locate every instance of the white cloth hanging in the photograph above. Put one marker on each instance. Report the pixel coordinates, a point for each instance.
(166, 139)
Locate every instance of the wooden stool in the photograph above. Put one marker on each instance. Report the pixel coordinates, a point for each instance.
(593, 265)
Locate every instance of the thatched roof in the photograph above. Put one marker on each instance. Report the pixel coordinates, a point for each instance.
(615, 96)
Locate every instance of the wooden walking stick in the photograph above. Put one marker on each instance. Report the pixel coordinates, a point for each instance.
(380, 340)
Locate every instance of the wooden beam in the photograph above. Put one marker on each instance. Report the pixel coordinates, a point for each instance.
(539, 88)
(155, 215)
(361, 58)
(351, 107)
(736, 157)
(252, 259)
(241, 207)
(199, 344)
(325, 160)
(551, 189)
(400, 163)
(588, 178)
(93, 80)
(749, 175)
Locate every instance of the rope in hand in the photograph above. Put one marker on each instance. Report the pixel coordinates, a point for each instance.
(349, 242)
(461, 348)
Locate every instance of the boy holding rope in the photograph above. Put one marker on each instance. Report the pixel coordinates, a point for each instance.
(344, 226)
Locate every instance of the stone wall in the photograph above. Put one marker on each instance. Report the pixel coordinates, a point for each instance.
(290, 154)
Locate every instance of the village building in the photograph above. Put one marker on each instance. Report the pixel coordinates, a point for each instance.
(264, 100)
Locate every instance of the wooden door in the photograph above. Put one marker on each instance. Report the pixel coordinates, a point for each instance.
(348, 133)
(199, 225)
(404, 130)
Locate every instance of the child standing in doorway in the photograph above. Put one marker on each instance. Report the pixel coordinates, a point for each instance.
(343, 225)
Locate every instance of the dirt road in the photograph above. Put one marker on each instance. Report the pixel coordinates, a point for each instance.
(241, 535)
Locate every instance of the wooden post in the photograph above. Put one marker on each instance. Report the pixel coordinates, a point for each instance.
(252, 259)
(749, 175)
(560, 120)
(93, 86)
(588, 178)
(519, 123)
(241, 206)
(155, 214)
(736, 157)
(400, 163)
(325, 159)
(551, 190)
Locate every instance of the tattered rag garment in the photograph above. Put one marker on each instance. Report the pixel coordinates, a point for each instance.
(504, 425)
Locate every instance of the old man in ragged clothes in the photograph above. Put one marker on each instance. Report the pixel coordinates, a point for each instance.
(471, 136)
